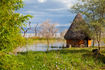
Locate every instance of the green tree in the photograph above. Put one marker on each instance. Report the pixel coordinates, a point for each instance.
(94, 12)
(11, 23)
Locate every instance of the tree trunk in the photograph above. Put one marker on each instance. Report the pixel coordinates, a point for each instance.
(99, 40)
(24, 34)
(93, 42)
(36, 30)
(99, 45)
(48, 43)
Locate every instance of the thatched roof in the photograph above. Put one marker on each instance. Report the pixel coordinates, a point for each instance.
(76, 30)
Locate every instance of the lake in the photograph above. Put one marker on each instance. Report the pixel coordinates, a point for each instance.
(42, 46)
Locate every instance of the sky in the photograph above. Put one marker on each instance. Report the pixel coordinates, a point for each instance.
(57, 11)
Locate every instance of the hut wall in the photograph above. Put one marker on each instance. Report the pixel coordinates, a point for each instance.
(78, 43)
(75, 43)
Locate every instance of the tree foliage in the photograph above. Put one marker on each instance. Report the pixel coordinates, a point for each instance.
(11, 23)
(94, 12)
(47, 29)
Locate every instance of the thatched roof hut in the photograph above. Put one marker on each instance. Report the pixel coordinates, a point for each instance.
(77, 30)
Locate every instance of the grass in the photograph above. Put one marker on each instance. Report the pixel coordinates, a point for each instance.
(67, 59)
(33, 40)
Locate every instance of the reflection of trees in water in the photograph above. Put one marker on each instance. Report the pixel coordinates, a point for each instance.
(42, 46)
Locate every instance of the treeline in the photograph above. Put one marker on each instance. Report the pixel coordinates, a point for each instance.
(43, 30)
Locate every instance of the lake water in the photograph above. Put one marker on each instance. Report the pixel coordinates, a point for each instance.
(40, 46)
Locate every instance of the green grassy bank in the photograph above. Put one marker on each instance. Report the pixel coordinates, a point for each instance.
(32, 40)
(67, 59)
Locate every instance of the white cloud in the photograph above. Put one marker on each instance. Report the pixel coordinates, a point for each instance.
(49, 15)
(57, 9)
(50, 9)
(29, 11)
(56, 24)
(67, 3)
(28, 1)
(59, 25)
(46, 14)
(42, 1)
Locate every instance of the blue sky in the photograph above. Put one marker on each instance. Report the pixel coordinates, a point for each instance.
(57, 11)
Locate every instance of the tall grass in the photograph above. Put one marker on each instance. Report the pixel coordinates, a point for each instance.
(67, 59)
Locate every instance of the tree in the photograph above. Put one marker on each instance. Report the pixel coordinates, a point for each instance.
(63, 33)
(94, 12)
(36, 29)
(25, 31)
(11, 23)
(48, 30)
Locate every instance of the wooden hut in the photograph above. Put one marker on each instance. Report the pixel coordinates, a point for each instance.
(76, 35)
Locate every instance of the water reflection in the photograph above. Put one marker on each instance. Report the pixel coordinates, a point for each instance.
(41, 47)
